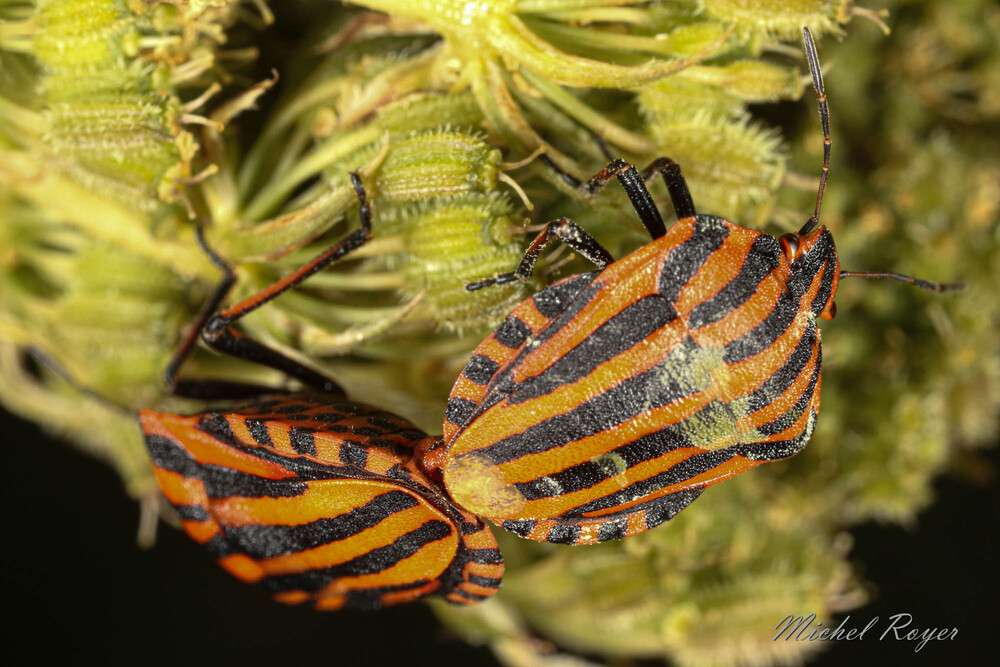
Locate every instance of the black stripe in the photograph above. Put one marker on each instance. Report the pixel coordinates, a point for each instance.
(216, 425)
(258, 431)
(329, 417)
(292, 409)
(666, 508)
(468, 595)
(192, 512)
(780, 449)
(522, 527)
(763, 258)
(353, 453)
(301, 440)
(634, 395)
(512, 333)
(502, 385)
(306, 469)
(784, 377)
(583, 297)
(825, 245)
(684, 261)
(470, 527)
(371, 562)
(485, 582)
(387, 425)
(366, 431)
(612, 530)
(221, 482)
(624, 330)
(340, 411)
(676, 474)
(553, 300)
(586, 474)
(795, 411)
(170, 456)
(370, 599)
(563, 534)
(480, 369)
(769, 330)
(459, 410)
(267, 541)
(485, 556)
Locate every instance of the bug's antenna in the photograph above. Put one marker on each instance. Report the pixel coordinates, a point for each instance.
(824, 117)
(916, 282)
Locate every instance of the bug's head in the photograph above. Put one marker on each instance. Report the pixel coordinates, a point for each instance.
(815, 268)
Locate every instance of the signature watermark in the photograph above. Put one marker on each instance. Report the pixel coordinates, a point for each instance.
(898, 627)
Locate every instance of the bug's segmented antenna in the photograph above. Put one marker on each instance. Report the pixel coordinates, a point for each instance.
(916, 282)
(824, 117)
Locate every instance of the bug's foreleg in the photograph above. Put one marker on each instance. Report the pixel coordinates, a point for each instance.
(566, 231)
(677, 187)
(635, 188)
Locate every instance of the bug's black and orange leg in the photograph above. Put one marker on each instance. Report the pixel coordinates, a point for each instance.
(216, 329)
(566, 231)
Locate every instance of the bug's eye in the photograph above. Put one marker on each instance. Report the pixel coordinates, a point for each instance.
(790, 244)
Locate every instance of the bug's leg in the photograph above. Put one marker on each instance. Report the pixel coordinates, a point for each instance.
(631, 181)
(217, 330)
(677, 187)
(566, 231)
(635, 187)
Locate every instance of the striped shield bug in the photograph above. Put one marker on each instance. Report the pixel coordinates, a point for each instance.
(312, 497)
(607, 402)
(318, 499)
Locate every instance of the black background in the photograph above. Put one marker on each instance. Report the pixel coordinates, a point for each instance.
(77, 589)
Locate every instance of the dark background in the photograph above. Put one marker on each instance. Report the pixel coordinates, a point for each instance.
(77, 589)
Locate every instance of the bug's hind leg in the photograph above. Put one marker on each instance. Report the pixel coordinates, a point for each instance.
(566, 231)
(217, 331)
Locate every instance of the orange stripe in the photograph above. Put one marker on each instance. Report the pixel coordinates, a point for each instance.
(504, 420)
(722, 266)
(399, 597)
(201, 531)
(298, 597)
(748, 315)
(341, 551)
(427, 563)
(625, 282)
(277, 431)
(242, 567)
(207, 450)
(781, 404)
(181, 490)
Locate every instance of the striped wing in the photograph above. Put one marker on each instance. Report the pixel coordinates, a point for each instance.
(305, 529)
(679, 366)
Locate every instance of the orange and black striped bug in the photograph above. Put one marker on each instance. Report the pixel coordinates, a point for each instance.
(607, 402)
(600, 408)
(310, 496)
